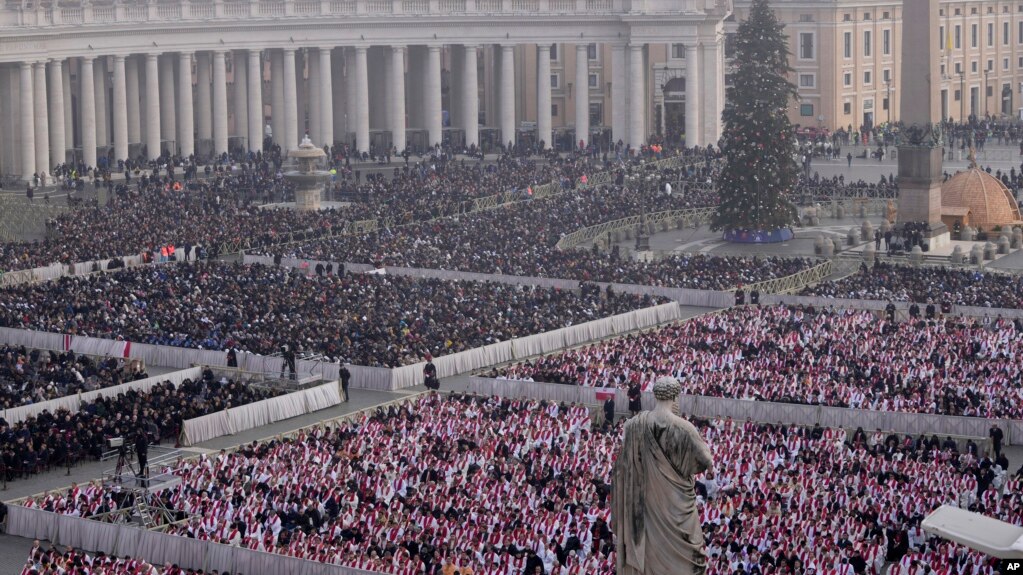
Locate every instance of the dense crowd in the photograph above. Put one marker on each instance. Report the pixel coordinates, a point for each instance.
(935, 285)
(63, 437)
(493, 486)
(34, 376)
(365, 319)
(842, 358)
(51, 561)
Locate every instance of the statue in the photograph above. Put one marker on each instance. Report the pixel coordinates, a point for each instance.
(654, 501)
(892, 212)
(972, 157)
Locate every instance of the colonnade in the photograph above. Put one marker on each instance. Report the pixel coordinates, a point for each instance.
(178, 101)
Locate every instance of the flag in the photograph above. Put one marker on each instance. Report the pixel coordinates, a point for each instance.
(121, 349)
(948, 38)
(529, 191)
(605, 395)
(67, 342)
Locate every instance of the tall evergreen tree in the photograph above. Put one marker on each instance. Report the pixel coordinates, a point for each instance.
(760, 168)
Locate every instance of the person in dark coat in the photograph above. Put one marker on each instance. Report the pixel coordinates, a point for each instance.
(635, 399)
(609, 409)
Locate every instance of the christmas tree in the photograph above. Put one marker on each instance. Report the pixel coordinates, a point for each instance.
(760, 168)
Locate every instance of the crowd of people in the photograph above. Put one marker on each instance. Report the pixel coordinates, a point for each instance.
(492, 486)
(32, 376)
(840, 358)
(892, 282)
(63, 437)
(51, 561)
(365, 319)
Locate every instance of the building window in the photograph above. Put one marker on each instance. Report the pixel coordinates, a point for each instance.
(678, 51)
(941, 38)
(973, 36)
(973, 66)
(806, 48)
(847, 78)
(867, 43)
(958, 36)
(886, 42)
(959, 11)
(554, 51)
(847, 44)
(886, 16)
(596, 113)
(1019, 64)
(867, 77)
(594, 81)
(942, 70)
(806, 17)
(990, 91)
(554, 110)
(884, 103)
(958, 95)
(866, 15)
(555, 81)
(848, 17)
(807, 81)
(959, 67)
(973, 10)
(847, 108)
(990, 65)
(1005, 33)
(1005, 63)
(990, 34)
(1019, 33)
(591, 51)
(806, 110)
(886, 75)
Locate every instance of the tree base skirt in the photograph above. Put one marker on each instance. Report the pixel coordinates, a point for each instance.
(758, 236)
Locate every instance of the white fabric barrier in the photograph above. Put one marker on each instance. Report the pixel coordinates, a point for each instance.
(74, 402)
(765, 411)
(159, 548)
(260, 413)
(879, 305)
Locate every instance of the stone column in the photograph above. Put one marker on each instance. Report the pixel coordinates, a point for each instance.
(455, 107)
(507, 94)
(415, 108)
(582, 94)
(28, 154)
(471, 96)
(397, 90)
(277, 120)
(543, 94)
(338, 100)
(168, 113)
(42, 119)
(301, 92)
(619, 94)
(712, 65)
(88, 114)
(637, 97)
(351, 97)
(315, 104)
(219, 102)
(326, 98)
(255, 101)
(153, 105)
(58, 139)
(102, 124)
(204, 115)
(240, 100)
(186, 115)
(120, 110)
(361, 100)
(290, 139)
(432, 98)
(694, 82)
(131, 72)
(69, 114)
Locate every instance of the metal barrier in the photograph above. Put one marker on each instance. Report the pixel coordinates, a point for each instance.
(794, 282)
(690, 218)
(18, 218)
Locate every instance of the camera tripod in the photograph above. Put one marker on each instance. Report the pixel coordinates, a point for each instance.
(125, 458)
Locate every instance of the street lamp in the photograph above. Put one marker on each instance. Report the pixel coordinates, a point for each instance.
(986, 71)
(888, 86)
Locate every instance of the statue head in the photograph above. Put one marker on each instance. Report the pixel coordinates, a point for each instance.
(667, 388)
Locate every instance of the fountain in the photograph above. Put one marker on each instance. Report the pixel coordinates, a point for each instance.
(307, 179)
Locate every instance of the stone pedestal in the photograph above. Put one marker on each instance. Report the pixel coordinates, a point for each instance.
(308, 198)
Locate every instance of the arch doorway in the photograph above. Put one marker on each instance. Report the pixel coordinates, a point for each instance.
(675, 108)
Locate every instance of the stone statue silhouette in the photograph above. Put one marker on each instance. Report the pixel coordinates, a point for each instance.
(892, 212)
(654, 501)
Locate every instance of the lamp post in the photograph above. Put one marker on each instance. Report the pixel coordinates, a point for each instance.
(888, 87)
(986, 71)
(962, 94)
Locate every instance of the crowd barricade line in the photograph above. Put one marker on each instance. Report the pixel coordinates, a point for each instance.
(764, 411)
(259, 413)
(74, 402)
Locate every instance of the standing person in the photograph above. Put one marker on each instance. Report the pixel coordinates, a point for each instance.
(609, 409)
(848, 159)
(996, 435)
(345, 376)
(142, 451)
(232, 358)
(430, 374)
(635, 398)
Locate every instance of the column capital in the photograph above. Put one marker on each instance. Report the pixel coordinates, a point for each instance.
(543, 48)
(185, 54)
(395, 49)
(636, 45)
(434, 47)
(153, 55)
(361, 49)
(119, 58)
(470, 46)
(508, 47)
(287, 49)
(87, 58)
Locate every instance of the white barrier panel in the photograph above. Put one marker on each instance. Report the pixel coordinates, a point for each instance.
(764, 411)
(74, 402)
(260, 413)
(159, 548)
